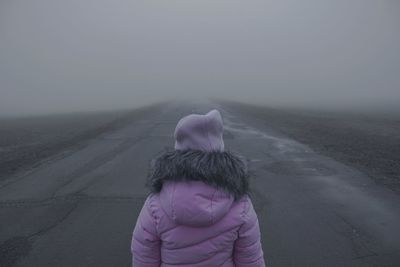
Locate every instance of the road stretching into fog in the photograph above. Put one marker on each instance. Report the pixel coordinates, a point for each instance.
(80, 209)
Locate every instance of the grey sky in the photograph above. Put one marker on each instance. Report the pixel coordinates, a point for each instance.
(97, 54)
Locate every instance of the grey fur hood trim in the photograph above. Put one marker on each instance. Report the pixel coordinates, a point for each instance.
(224, 170)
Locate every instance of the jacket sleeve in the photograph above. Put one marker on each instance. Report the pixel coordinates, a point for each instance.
(145, 246)
(248, 250)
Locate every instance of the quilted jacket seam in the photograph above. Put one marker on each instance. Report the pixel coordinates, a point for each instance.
(153, 213)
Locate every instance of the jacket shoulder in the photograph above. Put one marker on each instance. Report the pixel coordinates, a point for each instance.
(247, 209)
(153, 205)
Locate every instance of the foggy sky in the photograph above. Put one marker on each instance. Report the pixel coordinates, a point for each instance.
(70, 55)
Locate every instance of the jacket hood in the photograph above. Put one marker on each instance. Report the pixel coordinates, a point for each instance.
(197, 188)
(194, 203)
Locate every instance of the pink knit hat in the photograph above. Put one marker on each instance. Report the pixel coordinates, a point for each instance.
(200, 132)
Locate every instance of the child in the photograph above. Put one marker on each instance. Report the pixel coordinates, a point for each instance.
(198, 212)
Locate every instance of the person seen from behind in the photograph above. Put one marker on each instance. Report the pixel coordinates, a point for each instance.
(198, 212)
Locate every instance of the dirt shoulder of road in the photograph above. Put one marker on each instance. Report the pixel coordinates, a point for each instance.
(368, 142)
(26, 143)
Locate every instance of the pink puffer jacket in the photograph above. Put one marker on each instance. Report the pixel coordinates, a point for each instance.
(190, 223)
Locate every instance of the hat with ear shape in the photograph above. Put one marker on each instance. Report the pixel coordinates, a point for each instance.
(200, 132)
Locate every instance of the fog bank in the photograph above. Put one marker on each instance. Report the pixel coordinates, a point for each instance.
(58, 56)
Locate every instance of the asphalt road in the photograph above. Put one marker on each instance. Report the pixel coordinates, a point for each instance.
(80, 209)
